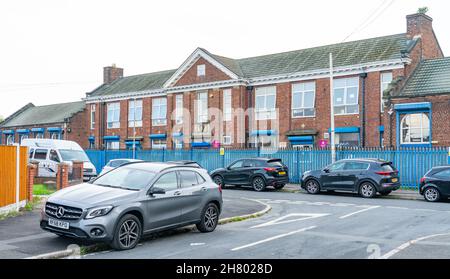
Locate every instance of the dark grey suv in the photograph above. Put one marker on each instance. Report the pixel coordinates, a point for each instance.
(139, 198)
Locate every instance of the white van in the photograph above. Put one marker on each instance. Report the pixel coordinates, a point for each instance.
(50, 152)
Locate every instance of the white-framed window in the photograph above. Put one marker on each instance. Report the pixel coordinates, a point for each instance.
(346, 92)
(227, 140)
(227, 107)
(55, 136)
(179, 109)
(265, 102)
(92, 116)
(303, 99)
(159, 143)
(10, 140)
(159, 111)
(385, 80)
(202, 107)
(201, 70)
(112, 145)
(135, 113)
(113, 116)
(265, 141)
(39, 135)
(177, 142)
(22, 137)
(415, 129)
(347, 139)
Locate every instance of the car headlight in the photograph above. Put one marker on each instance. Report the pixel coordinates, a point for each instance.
(98, 211)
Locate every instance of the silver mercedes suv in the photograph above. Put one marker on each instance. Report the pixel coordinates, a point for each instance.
(132, 200)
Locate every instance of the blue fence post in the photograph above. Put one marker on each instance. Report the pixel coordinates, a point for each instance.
(164, 155)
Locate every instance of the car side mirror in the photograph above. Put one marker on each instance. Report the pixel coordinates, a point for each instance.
(156, 191)
(326, 170)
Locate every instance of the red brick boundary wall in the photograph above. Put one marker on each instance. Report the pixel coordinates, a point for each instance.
(31, 173)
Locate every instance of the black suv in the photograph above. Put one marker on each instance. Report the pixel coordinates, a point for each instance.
(363, 176)
(435, 184)
(256, 172)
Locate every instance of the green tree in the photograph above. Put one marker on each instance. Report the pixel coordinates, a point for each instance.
(422, 10)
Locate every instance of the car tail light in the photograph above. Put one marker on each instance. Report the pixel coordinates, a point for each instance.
(220, 188)
(386, 173)
(422, 180)
(270, 169)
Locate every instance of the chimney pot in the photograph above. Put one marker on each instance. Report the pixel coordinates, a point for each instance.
(111, 73)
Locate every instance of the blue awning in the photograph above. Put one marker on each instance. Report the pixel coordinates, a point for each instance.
(8, 132)
(23, 131)
(91, 138)
(263, 133)
(381, 128)
(38, 130)
(54, 130)
(130, 143)
(111, 138)
(413, 106)
(177, 135)
(200, 144)
(157, 136)
(343, 130)
(301, 139)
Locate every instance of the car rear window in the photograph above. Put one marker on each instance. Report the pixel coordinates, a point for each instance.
(275, 163)
(40, 154)
(387, 167)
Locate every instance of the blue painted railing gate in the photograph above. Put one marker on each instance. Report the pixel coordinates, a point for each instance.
(412, 163)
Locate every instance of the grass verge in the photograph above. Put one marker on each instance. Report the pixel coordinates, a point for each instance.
(42, 189)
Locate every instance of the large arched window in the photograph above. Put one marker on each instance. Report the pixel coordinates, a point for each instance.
(415, 129)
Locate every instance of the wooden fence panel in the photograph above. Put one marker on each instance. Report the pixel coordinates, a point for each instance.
(8, 174)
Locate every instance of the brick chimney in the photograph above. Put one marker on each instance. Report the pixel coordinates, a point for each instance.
(421, 25)
(111, 73)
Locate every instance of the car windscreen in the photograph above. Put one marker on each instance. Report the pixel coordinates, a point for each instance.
(126, 177)
(73, 155)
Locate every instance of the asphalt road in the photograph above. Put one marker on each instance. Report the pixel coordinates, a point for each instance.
(327, 226)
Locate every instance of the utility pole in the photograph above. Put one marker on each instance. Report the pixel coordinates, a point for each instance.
(333, 146)
(134, 128)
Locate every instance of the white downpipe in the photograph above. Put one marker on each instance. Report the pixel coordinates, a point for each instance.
(332, 136)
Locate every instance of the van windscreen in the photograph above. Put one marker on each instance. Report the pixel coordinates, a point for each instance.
(73, 155)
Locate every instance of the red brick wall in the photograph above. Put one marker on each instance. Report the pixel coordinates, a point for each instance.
(422, 25)
(211, 74)
(79, 131)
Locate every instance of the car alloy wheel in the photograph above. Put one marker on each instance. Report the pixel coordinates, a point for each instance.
(367, 190)
(431, 194)
(210, 218)
(218, 180)
(128, 233)
(259, 184)
(312, 187)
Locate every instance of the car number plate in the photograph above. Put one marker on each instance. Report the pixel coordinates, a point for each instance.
(394, 180)
(282, 173)
(58, 224)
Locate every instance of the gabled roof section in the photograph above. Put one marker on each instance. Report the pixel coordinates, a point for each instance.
(431, 77)
(200, 52)
(144, 82)
(39, 115)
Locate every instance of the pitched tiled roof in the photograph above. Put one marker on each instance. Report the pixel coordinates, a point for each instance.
(39, 115)
(345, 54)
(431, 77)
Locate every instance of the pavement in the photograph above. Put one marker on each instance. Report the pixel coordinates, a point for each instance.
(302, 226)
(22, 237)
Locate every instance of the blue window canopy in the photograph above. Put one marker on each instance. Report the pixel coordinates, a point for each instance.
(343, 130)
(201, 144)
(381, 128)
(91, 138)
(111, 138)
(54, 130)
(424, 106)
(177, 135)
(301, 140)
(129, 143)
(23, 131)
(256, 133)
(38, 130)
(157, 136)
(8, 132)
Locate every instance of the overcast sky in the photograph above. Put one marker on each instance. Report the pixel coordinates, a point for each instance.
(54, 51)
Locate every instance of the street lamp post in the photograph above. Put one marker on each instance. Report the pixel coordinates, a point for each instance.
(333, 146)
(134, 128)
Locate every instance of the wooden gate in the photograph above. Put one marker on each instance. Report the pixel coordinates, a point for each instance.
(8, 174)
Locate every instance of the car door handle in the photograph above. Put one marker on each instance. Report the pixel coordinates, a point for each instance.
(177, 193)
(204, 189)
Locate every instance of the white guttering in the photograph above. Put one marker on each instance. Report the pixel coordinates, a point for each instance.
(266, 80)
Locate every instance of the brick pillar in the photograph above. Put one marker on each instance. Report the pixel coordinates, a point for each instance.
(36, 164)
(31, 173)
(77, 168)
(62, 176)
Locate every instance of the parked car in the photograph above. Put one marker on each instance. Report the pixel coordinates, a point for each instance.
(50, 152)
(435, 184)
(363, 176)
(132, 200)
(186, 163)
(115, 163)
(255, 172)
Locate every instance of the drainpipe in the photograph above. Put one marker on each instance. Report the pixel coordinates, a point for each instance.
(363, 108)
(102, 124)
(250, 113)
